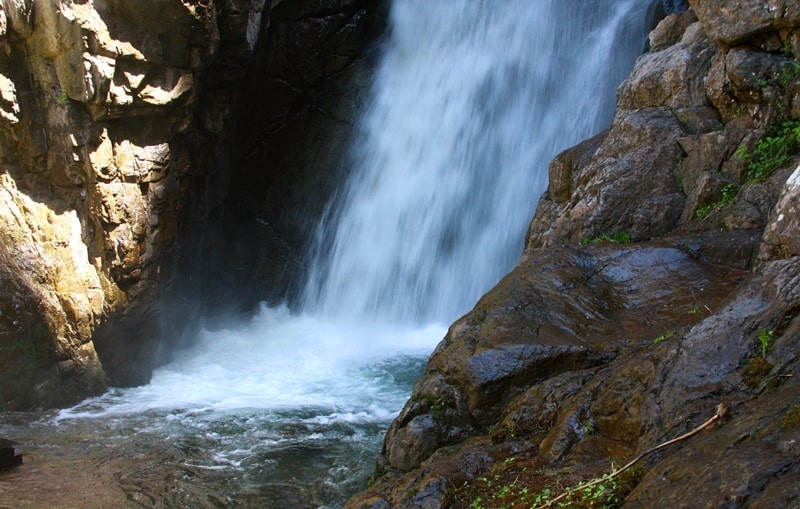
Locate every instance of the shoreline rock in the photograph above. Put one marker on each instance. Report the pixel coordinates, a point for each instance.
(657, 250)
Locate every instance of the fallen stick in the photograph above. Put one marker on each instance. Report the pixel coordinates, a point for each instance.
(722, 411)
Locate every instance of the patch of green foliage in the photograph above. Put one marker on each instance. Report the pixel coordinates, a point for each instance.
(665, 336)
(435, 403)
(758, 367)
(791, 419)
(62, 99)
(773, 151)
(789, 73)
(617, 237)
(477, 318)
(518, 484)
(608, 494)
(728, 193)
(764, 339)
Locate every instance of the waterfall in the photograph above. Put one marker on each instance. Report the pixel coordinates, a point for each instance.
(470, 103)
(471, 100)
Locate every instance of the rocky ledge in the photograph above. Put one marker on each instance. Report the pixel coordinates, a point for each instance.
(660, 278)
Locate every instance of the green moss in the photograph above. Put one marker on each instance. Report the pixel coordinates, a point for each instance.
(755, 371)
(791, 419)
(434, 403)
(617, 237)
(477, 318)
(665, 336)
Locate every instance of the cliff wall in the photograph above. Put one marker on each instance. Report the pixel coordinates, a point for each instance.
(660, 279)
(126, 212)
(101, 121)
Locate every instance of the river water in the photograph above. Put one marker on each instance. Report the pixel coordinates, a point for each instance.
(471, 101)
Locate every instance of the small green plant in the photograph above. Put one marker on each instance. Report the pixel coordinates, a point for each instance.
(772, 152)
(758, 367)
(729, 193)
(435, 403)
(477, 318)
(791, 419)
(617, 237)
(62, 99)
(764, 339)
(663, 337)
(789, 73)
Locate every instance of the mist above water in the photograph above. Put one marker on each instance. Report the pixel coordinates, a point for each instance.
(471, 102)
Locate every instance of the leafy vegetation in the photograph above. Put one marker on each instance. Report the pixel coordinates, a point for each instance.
(728, 192)
(665, 336)
(435, 403)
(522, 484)
(772, 152)
(617, 237)
(764, 339)
(758, 367)
(789, 73)
(791, 419)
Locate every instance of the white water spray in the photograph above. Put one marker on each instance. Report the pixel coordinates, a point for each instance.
(472, 100)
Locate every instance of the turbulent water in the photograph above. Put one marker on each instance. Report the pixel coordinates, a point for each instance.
(471, 101)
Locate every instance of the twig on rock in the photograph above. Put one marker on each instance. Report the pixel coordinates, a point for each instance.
(722, 412)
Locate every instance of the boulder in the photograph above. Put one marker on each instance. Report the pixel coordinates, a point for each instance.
(10, 454)
(560, 310)
(730, 22)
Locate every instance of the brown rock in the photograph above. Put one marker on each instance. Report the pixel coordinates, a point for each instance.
(96, 102)
(670, 30)
(729, 22)
(780, 236)
(560, 310)
(652, 202)
(672, 77)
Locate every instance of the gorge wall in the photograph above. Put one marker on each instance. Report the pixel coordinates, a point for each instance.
(124, 216)
(660, 279)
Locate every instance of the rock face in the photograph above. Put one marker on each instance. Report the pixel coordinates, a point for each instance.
(292, 121)
(130, 202)
(95, 137)
(659, 279)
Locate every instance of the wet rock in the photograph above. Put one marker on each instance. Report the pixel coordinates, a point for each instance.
(729, 22)
(780, 237)
(673, 76)
(10, 454)
(612, 191)
(560, 310)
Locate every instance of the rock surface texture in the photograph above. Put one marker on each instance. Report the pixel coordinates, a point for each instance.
(125, 208)
(660, 278)
(130, 200)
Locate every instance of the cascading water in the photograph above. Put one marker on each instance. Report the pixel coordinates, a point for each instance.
(471, 101)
